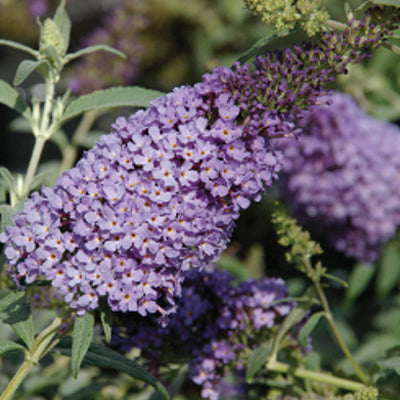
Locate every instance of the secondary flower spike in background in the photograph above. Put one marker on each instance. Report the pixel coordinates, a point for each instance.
(161, 192)
(213, 317)
(344, 176)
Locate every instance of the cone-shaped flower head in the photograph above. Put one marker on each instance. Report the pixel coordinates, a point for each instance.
(161, 192)
(344, 176)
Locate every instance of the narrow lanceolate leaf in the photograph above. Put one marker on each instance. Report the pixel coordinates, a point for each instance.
(293, 318)
(257, 360)
(19, 46)
(6, 214)
(392, 364)
(359, 280)
(15, 310)
(388, 271)
(103, 357)
(63, 23)
(395, 3)
(109, 98)
(8, 345)
(309, 327)
(257, 46)
(26, 68)
(93, 49)
(81, 338)
(106, 321)
(10, 97)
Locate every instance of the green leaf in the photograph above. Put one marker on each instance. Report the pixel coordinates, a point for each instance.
(390, 364)
(7, 177)
(19, 46)
(10, 97)
(53, 57)
(234, 266)
(109, 98)
(63, 23)
(395, 3)
(104, 357)
(293, 318)
(388, 271)
(8, 345)
(106, 320)
(257, 360)
(309, 327)
(6, 213)
(93, 49)
(257, 46)
(15, 310)
(359, 279)
(21, 125)
(82, 336)
(27, 67)
(335, 279)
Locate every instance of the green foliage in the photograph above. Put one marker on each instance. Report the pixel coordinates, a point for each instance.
(388, 275)
(7, 346)
(101, 356)
(15, 310)
(109, 98)
(256, 361)
(11, 98)
(309, 326)
(106, 318)
(27, 67)
(82, 337)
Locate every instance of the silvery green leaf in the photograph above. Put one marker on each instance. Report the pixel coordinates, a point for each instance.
(26, 67)
(82, 336)
(63, 23)
(93, 49)
(10, 97)
(108, 98)
(19, 46)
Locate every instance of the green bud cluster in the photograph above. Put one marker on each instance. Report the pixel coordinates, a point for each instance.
(50, 35)
(291, 235)
(307, 15)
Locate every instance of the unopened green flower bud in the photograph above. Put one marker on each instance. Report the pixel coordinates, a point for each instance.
(50, 35)
(307, 15)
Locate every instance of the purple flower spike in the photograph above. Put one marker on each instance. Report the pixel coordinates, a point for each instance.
(344, 176)
(208, 329)
(160, 194)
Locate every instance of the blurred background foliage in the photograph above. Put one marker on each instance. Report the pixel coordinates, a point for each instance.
(181, 40)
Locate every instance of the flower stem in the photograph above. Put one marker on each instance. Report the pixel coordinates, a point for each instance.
(316, 376)
(315, 277)
(33, 163)
(41, 345)
(42, 131)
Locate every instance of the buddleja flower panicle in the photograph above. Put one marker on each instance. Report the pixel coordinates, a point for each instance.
(343, 176)
(215, 328)
(160, 194)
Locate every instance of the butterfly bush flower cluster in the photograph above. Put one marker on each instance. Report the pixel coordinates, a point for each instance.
(344, 176)
(121, 30)
(159, 195)
(216, 326)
